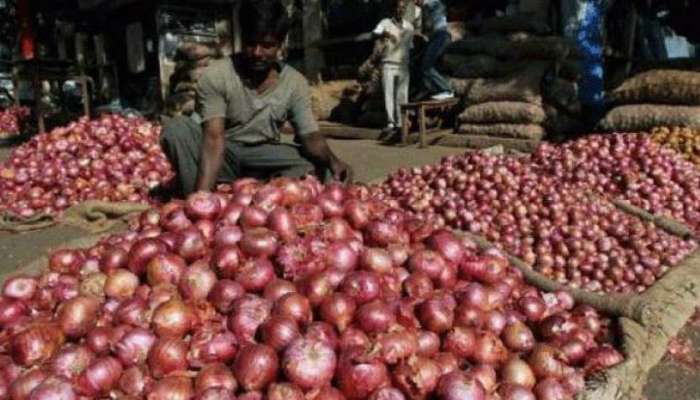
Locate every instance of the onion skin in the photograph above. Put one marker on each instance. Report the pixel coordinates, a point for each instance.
(77, 316)
(71, 361)
(338, 310)
(20, 287)
(172, 319)
(216, 375)
(121, 284)
(550, 389)
(171, 388)
(309, 364)
(36, 344)
(284, 391)
(518, 337)
(358, 380)
(459, 386)
(133, 348)
(417, 377)
(256, 367)
(518, 372)
(53, 388)
(100, 377)
(166, 356)
(294, 306)
(23, 386)
(278, 332)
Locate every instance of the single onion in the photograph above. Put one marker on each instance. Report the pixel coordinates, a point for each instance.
(165, 268)
(71, 361)
(278, 332)
(20, 287)
(216, 375)
(375, 317)
(284, 391)
(121, 284)
(338, 310)
(256, 366)
(224, 293)
(518, 372)
(518, 337)
(171, 388)
(167, 355)
(77, 316)
(101, 376)
(172, 319)
(133, 348)
(197, 281)
(417, 377)
(458, 385)
(309, 364)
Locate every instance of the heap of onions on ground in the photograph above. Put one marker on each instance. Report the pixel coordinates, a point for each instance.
(557, 227)
(291, 290)
(112, 158)
(630, 167)
(11, 119)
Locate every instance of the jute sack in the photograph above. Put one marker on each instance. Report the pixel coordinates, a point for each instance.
(326, 97)
(513, 131)
(515, 23)
(510, 112)
(523, 85)
(526, 48)
(478, 66)
(462, 86)
(662, 86)
(644, 117)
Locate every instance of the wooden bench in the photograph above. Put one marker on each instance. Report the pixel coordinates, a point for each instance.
(420, 110)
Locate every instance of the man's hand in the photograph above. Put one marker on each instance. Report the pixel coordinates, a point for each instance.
(342, 172)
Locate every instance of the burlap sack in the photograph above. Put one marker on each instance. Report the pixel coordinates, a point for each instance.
(523, 85)
(515, 23)
(509, 112)
(645, 117)
(478, 66)
(662, 86)
(528, 47)
(462, 86)
(513, 131)
(327, 96)
(562, 94)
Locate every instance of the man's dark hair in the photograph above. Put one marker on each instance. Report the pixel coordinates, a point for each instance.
(264, 17)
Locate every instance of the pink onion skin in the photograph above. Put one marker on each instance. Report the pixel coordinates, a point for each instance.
(284, 391)
(338, 310)
(216, 375)
(21, 287)
(309, 364)
(71, 361)
(171, 388)
(54, 388)
(417, 377)
(459, 386)
(388, 393)
(23, 386)
(167, 355)
(550, 389)
(515, 392)
(358, 380)
(279, 332)
(100, 377)
(256, 367)
(133, 348)
(133, 382)
(518, 372)
(78, 315)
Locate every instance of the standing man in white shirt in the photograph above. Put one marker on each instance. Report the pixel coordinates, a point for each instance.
(398, 36)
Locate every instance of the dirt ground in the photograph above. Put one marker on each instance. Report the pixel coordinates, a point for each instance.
(371, 161)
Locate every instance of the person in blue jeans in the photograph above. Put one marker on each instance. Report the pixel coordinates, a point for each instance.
(434, 22)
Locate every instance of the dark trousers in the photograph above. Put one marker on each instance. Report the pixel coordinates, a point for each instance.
(181, 141)
(433, 81)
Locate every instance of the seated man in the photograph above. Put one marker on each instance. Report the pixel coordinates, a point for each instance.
(243, 102)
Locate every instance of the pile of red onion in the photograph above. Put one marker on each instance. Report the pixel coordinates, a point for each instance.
(631, 167)
(112, 158)
(558, 228)
(10, 120)
(291, 290)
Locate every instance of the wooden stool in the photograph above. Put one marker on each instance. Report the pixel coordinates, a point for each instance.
(420, 109)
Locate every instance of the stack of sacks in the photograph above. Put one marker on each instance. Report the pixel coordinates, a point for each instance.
(336, 101)
(515, 81)
(661, 97)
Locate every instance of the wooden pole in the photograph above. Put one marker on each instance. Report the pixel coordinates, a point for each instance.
(313, 33)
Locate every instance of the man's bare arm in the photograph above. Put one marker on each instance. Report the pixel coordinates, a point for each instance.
(319, 153)
(212, 154)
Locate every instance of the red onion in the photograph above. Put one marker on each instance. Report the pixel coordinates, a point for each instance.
(101, 376)
(20, 287)
(248, 313)
(165, 268)
(224, 293)
(190, 244)
(355, 338)
(326, 393)
(202, 205)
(209, 345)
(339, 310)
(11, 311)
(309, 364)
(427, 261)
(398, 345)
(550, 389)
(447, 244)
(278, 288)
(133, 382)
(133, 312)
(77, 316)
(341, 256)
(281, 222)
(435, 315)
(227, 236)
(71, 361)
(546, 361)
(197, 281)
(226, 260)
(65, 261)
(515, 392)
(460, 341)
(601, 358)
(388, 393)
(167, 355)
(256, 366)
(142, 252)
(121, 284)
(172, 319)
(23, 386)
(278, 332)
(171, 388)
(518, 337)
(259, 242)
(99, 340)
(357, 379)
(133, 348)
(284, 391)
(375, 317)
(255, 274)
(217, 393)
(533, 308)
(362, 286)
(216, 375)
(459, 386)
(322, 332)
(489, 349)
(53, 388)
(417, 377)
(518, 372)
